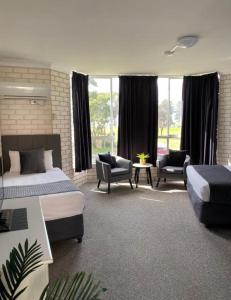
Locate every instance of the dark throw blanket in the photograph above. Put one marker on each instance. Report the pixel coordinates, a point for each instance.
(39, 189)
(219, 180)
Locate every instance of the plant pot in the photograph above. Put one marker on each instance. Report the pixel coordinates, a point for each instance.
(142, 161)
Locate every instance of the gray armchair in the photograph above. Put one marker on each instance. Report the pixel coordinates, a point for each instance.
(122, 171)
(165, 171)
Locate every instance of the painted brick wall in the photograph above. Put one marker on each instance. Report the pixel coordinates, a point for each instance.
(20, 116)
(61, 115)
(224, 121)
(61, 123)
(52, 116)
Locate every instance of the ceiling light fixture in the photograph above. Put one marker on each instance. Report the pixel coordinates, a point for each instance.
(183, 42)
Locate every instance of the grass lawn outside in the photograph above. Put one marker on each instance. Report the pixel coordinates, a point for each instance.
(102, 144)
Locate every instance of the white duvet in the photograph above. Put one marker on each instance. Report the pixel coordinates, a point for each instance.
(199, 184)
(54, 206)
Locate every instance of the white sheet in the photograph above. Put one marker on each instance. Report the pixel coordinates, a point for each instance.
(54, 206)
(53, 175)
(199, 184)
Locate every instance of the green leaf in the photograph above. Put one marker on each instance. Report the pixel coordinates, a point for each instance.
(3, 292)
(20, 292)
(79, 286)
(23, 260)
(26, 259)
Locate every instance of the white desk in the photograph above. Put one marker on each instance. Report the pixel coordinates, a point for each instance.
(37, 280)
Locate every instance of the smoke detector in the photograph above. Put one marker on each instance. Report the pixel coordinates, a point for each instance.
(183, 42)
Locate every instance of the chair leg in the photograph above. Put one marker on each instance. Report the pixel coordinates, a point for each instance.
(158, 181)
(108, 188)
(79, 239)
(98, 184)
(150, 177)
(131, 184)
(185, 183)
(137, 177)
(147, 175)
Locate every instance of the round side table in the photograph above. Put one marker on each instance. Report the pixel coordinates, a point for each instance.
(138, 167)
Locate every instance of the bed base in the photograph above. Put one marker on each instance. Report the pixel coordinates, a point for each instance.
(65, 228)
(209, 213)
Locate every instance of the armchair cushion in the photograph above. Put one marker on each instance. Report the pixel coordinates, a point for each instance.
(108, 158)
(161, 161)
(124, 163)
(176, 158)
(173, 170)
(119, 171)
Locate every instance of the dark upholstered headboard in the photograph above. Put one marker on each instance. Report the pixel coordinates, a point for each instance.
(29, 142)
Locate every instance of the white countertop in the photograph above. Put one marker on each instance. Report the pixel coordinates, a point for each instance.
(36, 229)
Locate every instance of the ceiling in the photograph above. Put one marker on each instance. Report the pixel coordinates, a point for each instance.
(116, 36)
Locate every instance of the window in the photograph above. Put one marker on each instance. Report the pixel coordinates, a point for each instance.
(169, 113)
(104, 106)
(104, 109)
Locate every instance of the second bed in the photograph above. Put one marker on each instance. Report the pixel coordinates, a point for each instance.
(209, 189)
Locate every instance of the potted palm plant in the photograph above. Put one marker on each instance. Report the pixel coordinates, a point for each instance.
(25, 259)
(143, 157)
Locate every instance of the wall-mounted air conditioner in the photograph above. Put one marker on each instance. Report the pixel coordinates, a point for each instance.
(29, 91)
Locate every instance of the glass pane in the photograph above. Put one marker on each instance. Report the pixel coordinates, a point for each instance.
(162, 146)
(115, 113)
(175, 109)
(174, 143)
(174, 130)
(100, 114)
(104, 107)
(163, 107)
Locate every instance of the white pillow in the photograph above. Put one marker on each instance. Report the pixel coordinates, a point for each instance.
(48, 159)
(15, 166)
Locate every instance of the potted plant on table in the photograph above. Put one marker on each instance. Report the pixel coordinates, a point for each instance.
(143, 157)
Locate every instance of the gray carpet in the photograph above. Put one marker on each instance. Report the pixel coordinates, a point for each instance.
(147, 244)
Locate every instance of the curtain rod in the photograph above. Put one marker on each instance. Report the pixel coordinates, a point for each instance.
(200, 74)
(140, 74)
(116, 75)
(126, 74)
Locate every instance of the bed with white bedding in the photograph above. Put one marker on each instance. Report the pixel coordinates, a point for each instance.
(62, 203)
(54, 206)
(209, 189)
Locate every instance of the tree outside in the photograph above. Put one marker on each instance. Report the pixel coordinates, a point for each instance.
(169, 123)
(103, 121)
(164, 116)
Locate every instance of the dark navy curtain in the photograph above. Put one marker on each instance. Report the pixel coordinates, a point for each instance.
(199, 123)
(81, 121)
(138, 116)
